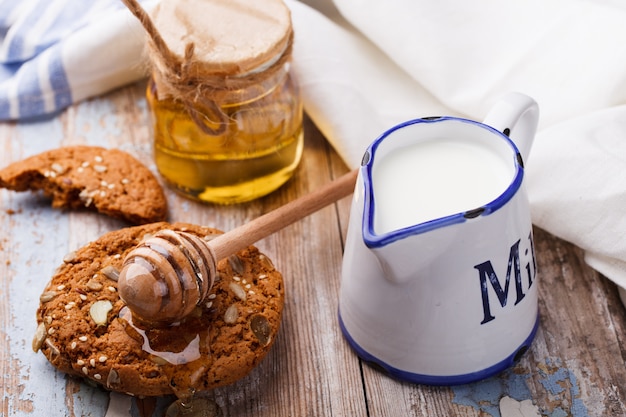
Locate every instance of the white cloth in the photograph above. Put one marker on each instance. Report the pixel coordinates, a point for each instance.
(374, 64)
(57, 52)
(366, 65)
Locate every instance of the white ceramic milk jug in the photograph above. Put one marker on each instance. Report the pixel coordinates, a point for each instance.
(439, 275)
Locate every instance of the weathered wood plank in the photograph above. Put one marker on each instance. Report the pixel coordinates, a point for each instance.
(579, 346)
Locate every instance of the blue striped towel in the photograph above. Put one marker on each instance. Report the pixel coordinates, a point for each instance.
(57, 52)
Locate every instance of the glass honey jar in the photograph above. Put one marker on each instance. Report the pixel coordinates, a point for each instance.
(226, 111)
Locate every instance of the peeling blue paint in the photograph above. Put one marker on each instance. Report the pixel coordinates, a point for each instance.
(485, 395)
(562, 381)
(551, 381)
(558, 381)
(558, 412)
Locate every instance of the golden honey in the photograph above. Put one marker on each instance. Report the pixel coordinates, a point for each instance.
(253, 147)
(226, 112)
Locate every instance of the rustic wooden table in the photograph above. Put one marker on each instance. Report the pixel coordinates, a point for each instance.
(575, 366)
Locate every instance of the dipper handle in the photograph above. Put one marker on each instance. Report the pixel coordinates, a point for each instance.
(245, 235)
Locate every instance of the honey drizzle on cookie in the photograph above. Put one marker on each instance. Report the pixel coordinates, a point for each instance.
(153, 338)
(185, 344)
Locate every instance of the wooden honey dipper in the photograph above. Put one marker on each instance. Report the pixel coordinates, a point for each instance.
(166, 276)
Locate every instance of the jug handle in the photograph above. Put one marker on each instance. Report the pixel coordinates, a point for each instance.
(515, 115)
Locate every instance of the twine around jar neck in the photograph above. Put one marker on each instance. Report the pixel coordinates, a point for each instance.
(186, 82)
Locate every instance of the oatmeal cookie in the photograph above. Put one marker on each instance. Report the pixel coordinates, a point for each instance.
(84, 329)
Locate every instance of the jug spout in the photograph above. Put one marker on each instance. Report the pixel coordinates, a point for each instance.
(516, 115)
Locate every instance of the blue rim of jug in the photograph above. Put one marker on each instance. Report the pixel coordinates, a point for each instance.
(442, 380)
(374, 240)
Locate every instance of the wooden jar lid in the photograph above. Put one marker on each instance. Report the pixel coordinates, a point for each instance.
(231, 37)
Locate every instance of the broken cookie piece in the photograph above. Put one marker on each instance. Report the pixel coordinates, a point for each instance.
(109, 181)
